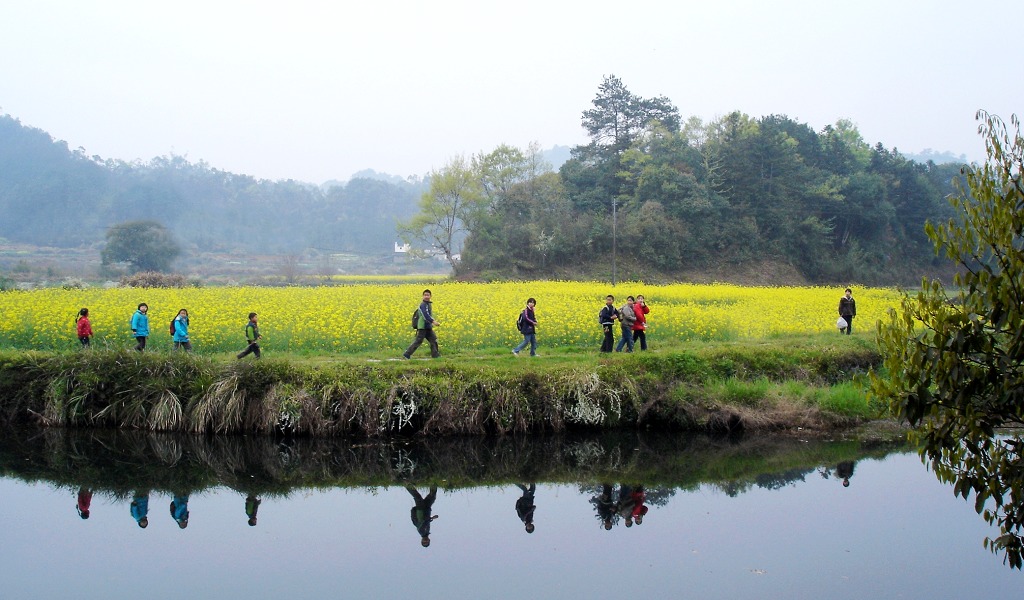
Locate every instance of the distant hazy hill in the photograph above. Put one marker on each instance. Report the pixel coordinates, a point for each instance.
(939, 158)
(51, 195)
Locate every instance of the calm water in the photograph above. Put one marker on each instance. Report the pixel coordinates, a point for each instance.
(724, 519)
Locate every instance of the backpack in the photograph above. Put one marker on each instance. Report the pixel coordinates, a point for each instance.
(520, 321)
(415, 318)
(172, 326)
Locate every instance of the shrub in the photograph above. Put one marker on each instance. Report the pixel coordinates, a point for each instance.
(154, 279)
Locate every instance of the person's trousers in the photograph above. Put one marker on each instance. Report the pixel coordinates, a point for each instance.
(528, 338)
(140, 343)
(609, 339)
(424, 334)
(253, 348)
(640, 336)
(626, 340)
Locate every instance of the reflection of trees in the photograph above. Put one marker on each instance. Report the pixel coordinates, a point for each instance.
(117, 463)
(777, 481)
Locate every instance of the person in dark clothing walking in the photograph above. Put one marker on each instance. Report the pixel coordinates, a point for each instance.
(420, 513)
(425, 323)
(607, 317)
(528, 319)
(847, 310)
(252, 337)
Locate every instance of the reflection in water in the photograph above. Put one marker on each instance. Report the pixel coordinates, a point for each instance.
(525, 506)
(843, 470)
(131, 465)
(179, 510)
(252, 505)
(421, 512)
(84, 500)
(710, 515)
(140, 508)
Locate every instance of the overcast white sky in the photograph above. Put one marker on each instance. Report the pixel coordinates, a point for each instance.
(317, 90)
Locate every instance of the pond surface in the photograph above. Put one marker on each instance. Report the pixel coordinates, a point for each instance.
(613, 516)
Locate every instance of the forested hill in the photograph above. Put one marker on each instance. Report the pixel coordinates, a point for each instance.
(659, 197)
(51, 195)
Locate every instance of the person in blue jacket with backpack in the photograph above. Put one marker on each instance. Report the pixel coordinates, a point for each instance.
(140, 326)
(180, 327)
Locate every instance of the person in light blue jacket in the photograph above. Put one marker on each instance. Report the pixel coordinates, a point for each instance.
(140, 326)
(181, 341)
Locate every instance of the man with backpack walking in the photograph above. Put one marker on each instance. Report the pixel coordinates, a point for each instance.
(607, 318)
(423, 322)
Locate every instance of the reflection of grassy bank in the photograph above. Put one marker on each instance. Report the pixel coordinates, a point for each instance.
(778, 384)
(118, 463)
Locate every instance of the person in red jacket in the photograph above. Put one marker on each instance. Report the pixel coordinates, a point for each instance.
(640, 325)
(83, 328)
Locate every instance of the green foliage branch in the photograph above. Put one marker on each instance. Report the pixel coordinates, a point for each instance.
(953, 361)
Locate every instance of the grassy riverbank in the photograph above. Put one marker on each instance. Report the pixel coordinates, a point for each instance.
(806, 382)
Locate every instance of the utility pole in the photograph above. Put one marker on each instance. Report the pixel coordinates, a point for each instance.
(614, 223)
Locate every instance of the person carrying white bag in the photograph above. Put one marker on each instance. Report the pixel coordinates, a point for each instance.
(847, 311)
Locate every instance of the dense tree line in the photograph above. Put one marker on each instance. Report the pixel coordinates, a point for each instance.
(51, 195)
(663, 196)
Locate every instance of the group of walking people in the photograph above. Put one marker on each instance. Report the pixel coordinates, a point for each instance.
(177, 329)
(631, 318)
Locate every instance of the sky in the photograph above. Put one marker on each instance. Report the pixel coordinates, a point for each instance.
(318, 90)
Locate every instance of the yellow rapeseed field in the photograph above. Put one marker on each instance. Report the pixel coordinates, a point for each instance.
(376, 317)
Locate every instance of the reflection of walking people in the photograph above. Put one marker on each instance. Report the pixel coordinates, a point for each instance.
(84, 500)
(179, 510)
(607, 318)
(625, 504)
(181, 339)
(252, 504)
(425, 324)
(638, 497)
(140, 509)
(252, 337)
(848, 310)
(140, 326)
(84, 330)
(640, 310)
(605, 506)
(525, 506)
(626, 320)
(420, 513)
(528, 319)
(844, 470)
